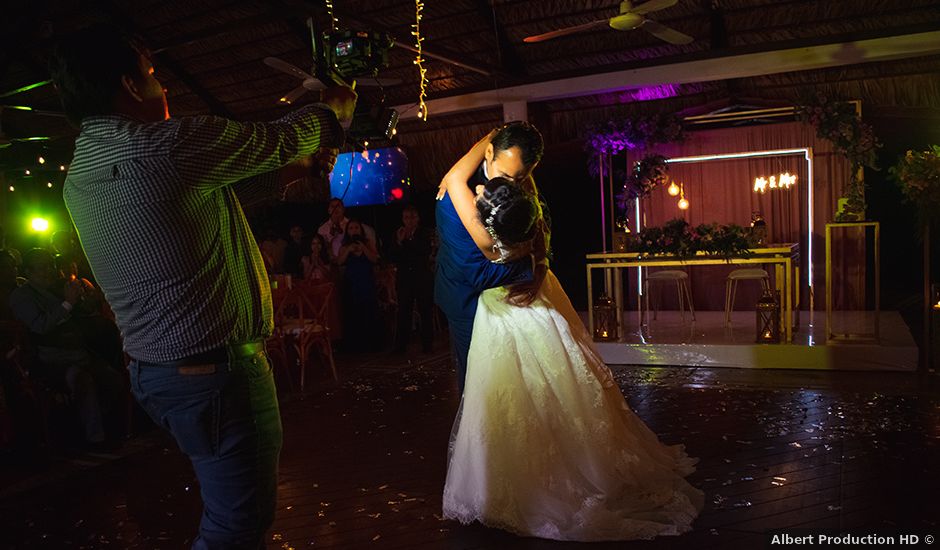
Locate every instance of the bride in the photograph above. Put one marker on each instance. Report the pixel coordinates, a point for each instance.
(544, 443)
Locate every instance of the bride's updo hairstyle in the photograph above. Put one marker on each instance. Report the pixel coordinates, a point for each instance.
(509, 211)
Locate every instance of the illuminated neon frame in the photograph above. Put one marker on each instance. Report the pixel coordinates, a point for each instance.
(807, 153)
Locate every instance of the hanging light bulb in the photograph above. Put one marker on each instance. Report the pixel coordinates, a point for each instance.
(49, 184)
(12, 188)
(61, 168)
(42, 160)
(682, 204)
(27, 172)
(673, 189)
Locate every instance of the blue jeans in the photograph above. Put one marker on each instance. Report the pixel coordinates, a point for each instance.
(228, 423)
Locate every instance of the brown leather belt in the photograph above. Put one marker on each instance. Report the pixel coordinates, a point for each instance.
(207, 362)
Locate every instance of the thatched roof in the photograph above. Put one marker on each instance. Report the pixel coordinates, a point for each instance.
(209, 52)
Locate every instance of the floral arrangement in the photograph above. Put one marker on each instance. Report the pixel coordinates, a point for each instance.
(838, 122)
(640, 132)
(648, 173)
(917, 173)
(676, 237)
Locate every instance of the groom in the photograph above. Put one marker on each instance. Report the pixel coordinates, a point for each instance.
(463, 272)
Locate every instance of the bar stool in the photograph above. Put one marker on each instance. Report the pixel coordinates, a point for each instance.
(731, 286)
(681, 278)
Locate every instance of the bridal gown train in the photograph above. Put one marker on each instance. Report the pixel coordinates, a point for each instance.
(544, 443)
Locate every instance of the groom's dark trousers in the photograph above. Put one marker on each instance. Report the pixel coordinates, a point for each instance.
(463, 272)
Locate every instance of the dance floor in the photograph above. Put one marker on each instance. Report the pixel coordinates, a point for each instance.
(364, 462)
(673, 339)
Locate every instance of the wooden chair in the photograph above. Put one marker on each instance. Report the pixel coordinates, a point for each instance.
(387, 295)
(300, 324)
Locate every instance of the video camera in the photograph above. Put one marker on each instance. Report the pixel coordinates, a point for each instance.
(349, 54)
(357, 53)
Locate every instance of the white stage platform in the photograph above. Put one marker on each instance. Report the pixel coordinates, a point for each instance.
(707, 342)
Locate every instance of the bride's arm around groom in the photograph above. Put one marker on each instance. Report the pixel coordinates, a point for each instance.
(463, 271)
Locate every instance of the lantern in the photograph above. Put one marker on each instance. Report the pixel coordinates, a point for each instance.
(606, 321)
(768, 318)
(620, 241)
(621, 234)
(758, 229)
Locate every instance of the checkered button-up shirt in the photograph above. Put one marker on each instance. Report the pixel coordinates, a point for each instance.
(157, 215)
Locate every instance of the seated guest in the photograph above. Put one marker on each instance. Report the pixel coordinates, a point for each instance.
(317, 265)
(15, 390)
(272, 251)
(358, 257)
(8, 283)
(414, 281)
(70, 260)
(294, 251)
(333, 229)
(49, 307)
(3, 247)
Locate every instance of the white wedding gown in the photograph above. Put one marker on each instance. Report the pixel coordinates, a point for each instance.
(544, 443)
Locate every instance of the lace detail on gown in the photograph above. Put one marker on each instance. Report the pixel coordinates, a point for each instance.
(545, 445)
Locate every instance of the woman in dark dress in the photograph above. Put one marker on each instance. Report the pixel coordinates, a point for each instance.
(358, 257)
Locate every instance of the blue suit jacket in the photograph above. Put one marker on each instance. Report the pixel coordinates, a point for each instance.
(463, 272)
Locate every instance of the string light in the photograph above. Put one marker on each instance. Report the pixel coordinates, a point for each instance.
(61, 168)
(27, 172)
(673, 189)
(329, 10)
(42, 160)
(49, 184)
(419, 60)
(12, 188)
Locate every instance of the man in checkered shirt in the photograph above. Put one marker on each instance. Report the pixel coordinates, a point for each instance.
(154, 201)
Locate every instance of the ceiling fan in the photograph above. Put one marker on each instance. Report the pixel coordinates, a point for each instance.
(7, 141)
(312, 83)
(631, 17)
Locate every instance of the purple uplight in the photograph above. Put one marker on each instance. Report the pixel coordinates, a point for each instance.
(648, 93)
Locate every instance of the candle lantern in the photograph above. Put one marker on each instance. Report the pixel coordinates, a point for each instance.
(768, 318)
(933, 351)
(606, 321)
(758, 229)
(621, 234)
(620, 241)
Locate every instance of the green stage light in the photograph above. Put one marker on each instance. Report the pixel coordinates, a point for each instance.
(40, 224)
